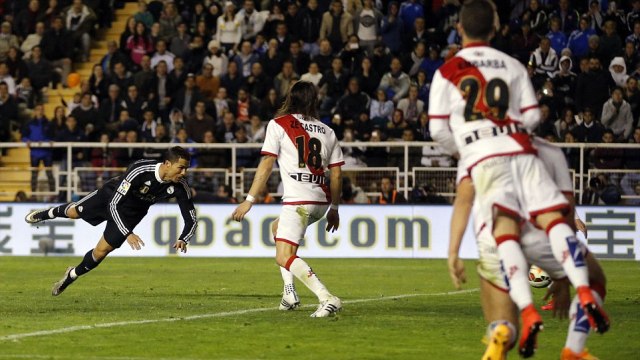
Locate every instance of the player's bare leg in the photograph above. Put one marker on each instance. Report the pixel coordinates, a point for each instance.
(290, 299)
(506, 231)
(287, 258)
(564, 245)
(502, 316)
(90, 261)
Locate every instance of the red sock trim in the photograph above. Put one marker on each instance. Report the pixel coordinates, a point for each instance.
(288, 264)
(599, 288)
(554, 223)
(503, 238)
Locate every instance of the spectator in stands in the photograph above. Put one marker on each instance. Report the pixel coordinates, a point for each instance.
(246, 58)
(578, 41)
(252, 22)
(632, 155)
(566, 123)
(412, 61)
(353, 102)
(309, 23)
(392, 29)
(422, 128)
(26, 96)
(536, 16)
(139, 44)
(313, 75)
(72, 133)
(217, 58)
(120, 76)
(175, 123)
(7, 40)
(179, 44)
(610, 42)
(232, 80)
(25, 21)
(632, 96)
(607, 158)
(244, 106)
(431, 63)
(126, 123)
(126, 156)
(113, 56)
(388, 193)
(631, 58)
(162, 54)
(169, 21)
(381, 109)
(143, 15)
(544, 59)
(592, 89)
(546, 125)
(283, 81)
(395, 82)
(32, 40)
(352, 194)
(415, 36)
(256, 129)
(6, 77)
(299, 59)
(633, 15)
(111, 107)
(397, 125)
(367, 23)
(213, 157)
(229, 29)
(187, 97)
(634, 37)
(179, 74)
(564, 81)
(129, 30)
(258, 83)
(332, 86)
(523, 42)
(589, 130)
(57, 47)
(336, 25)
(161, 90)
(558, 38)
(411, 106)
(39, 130)
(595, 14)
(148, 127)
(134, 103)
(87, 114)
(616, 115)
(199, 123)
(246, 157)
(568, 16)
(80, 20)
(40, 70)
(225, 132)
(99, 83)
(270, 105)
(221, 104)
(8, 106)
(618, 71)
(207, 83)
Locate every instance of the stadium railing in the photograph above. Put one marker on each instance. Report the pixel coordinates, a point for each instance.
(84, 179)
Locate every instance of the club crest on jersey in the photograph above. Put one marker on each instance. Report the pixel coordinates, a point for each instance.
(124, 187)
(170, 190)
(144, 189)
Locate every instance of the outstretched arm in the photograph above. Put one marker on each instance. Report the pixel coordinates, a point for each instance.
(459, 220)
(259, 182)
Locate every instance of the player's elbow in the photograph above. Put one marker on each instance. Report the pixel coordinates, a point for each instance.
(531, 119)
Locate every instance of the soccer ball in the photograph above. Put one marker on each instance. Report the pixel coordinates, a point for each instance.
(538, 278)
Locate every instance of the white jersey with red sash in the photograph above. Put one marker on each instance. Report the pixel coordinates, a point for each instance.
(305, 149)
(485, 96)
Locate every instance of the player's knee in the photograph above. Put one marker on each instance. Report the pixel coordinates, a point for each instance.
(282, 259)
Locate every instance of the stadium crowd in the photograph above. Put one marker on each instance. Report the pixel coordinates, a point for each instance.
(205, 71)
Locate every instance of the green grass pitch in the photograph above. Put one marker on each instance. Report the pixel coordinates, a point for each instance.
(208, 308)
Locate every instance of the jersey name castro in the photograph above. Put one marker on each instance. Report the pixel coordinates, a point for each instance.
(305, 150)
(484, 94)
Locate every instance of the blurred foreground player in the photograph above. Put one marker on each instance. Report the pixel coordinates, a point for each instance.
(123, 202)
(304, 148)
(482, 106)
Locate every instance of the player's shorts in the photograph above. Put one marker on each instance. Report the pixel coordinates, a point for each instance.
(294, 220)
(94, 209)
(518, 185)
(535, 246)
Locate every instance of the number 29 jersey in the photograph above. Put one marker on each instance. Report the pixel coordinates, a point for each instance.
(305, 149)
(485, 96)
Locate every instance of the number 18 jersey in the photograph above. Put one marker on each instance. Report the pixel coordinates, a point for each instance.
(305, 149)
(484, 95)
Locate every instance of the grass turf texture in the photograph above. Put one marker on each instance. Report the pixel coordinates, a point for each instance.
(128, 289)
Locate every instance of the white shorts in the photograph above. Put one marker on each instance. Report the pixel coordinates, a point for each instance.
(535, 246)
(518, 185)
(294, 220)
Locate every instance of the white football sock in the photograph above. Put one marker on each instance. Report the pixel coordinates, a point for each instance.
(579, 327)
(303, 272)
(563, 242)
(287, 278)
(516, 271)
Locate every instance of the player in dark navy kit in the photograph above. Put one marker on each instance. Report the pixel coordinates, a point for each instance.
(122, 202)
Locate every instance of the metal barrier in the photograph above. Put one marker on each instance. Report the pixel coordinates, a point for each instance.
(239, 179)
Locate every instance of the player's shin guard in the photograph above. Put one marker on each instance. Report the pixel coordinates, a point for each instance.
(304, 273)
(87, 264)
(567, 252)
(515, 270)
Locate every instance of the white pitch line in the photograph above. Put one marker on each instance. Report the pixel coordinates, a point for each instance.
(205, 316)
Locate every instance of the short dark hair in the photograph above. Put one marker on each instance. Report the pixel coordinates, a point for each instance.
(176, 153)
(477, 19)
(302, 99)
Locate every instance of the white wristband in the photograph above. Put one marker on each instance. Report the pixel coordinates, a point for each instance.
(250, 198)
(333, 207)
